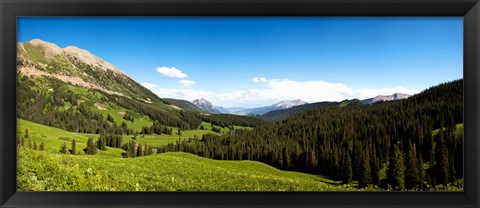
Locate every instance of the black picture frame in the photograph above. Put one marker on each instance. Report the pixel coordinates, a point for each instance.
(10, 9)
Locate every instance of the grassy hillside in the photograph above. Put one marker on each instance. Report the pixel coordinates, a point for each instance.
(458, 130)
(108, 171)
(53, 138)
(176, 171)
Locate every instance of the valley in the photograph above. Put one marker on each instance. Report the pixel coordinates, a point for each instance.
(84, 125)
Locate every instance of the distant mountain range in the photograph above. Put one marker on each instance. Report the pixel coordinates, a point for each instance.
(278, 115)
(207, 106)
(283, 109)
(277, 106)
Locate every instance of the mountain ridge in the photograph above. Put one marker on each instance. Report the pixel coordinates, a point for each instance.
(79, 67)
(379, 98)
(282, 114)
(276, 106)
(206, 105)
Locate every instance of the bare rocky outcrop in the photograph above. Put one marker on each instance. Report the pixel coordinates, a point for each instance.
(32, 71)
(90, 59)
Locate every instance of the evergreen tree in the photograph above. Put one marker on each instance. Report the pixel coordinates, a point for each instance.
(140, 150)
(73, 151)
(26, 133)
(42, 146)
(441, 160)
(119, 141)
(356, 161)
(91, 148)
(375, 176)
(63, 148)
(412, 178)
(375, 167)
(101, 142)
(35, 147)
(124, 125)
(131, 149)
(110, 118)
(364, 175)
(395, 171)
(421, 171)
(347, 168)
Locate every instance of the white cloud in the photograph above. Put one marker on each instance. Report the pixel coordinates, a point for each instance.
(186, 82)
(278, 90)
(184, 94)
(149, 85)
(171, 72)
(259, 79)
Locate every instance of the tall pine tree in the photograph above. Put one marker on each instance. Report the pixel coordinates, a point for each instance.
(73, 151)
(395, 171)
(347, 168)
(364, 175)
(441, 160)
(412, 178)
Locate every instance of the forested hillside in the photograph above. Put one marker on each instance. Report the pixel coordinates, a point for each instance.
(279, 115)
(357, 142)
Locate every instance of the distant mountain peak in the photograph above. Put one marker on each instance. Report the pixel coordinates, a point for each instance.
(290, 103)
(395, 96)
(265, 109)
(202, 101)
(205, 105)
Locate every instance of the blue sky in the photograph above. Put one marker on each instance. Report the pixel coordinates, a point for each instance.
(256, 61)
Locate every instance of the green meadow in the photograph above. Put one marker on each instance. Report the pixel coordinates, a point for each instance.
(174, 171)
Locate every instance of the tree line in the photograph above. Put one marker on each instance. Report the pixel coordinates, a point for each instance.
(356, 142)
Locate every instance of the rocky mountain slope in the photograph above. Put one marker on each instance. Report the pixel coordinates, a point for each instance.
(205, 105)
(38, 58)
(72, 89)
